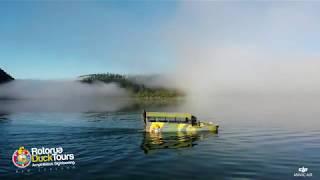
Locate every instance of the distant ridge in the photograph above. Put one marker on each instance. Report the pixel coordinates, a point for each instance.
(139, 90)
(5, 77)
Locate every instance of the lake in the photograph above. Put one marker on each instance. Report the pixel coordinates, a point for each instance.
(260, 137)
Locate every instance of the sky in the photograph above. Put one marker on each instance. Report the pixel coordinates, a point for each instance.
(65, 39)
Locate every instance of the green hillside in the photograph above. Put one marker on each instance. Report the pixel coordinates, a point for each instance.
(137, 89)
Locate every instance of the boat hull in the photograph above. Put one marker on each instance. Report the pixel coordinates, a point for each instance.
(180, 127)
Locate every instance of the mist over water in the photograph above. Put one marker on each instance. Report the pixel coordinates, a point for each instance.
(59, 89)
(61, 95)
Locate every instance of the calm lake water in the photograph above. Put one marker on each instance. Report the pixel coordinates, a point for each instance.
(260, 137)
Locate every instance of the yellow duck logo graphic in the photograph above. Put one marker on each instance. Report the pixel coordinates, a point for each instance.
(21, 150)
(22, 155)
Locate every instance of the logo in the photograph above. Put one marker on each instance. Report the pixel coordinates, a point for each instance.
(303, 169)
(42, 157)
(303, 172)
(21, 158)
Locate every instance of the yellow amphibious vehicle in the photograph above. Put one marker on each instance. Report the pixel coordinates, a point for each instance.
(175, 122)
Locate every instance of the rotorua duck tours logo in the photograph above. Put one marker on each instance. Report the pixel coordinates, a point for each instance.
(42, 157)
(21, 158)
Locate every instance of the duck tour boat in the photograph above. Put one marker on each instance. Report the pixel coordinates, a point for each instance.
(175, 122)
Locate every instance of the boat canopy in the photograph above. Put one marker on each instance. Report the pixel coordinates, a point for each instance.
(168, 115)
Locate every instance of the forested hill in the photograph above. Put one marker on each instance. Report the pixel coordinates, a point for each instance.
(137, 89)
(5, 77)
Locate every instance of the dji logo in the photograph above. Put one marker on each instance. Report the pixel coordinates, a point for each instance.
(302, 172)
(303, 169)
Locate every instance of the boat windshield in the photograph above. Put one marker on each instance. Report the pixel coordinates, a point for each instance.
(170, 117)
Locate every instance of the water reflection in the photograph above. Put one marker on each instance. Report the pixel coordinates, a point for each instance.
(157, 141)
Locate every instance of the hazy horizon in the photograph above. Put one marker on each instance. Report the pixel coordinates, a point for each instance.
(203, 48)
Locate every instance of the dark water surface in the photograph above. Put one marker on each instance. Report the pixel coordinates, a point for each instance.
(260, 138)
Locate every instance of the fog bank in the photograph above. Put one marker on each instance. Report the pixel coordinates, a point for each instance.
(61, 96)
(58, 89)
(268, 49)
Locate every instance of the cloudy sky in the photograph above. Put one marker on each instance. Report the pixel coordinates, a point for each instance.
(237, 41)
